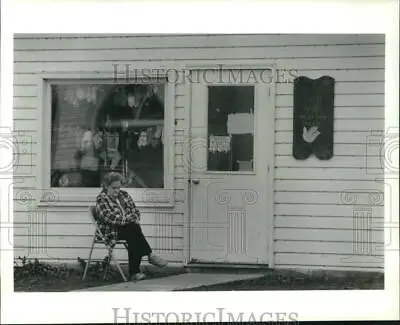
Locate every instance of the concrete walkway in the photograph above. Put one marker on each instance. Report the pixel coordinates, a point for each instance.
(175, 282)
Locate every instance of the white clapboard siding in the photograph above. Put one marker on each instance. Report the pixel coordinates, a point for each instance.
(328, 210)
(24, 159)
(21, 170)
(22, 206)
(79, 42)
(24, 182)
(323, 260)
(318, 65)
(318, 51)
(71, 254)
(334, 185)
(285, 75)
(79, 215)
(324, 222)
(360, 137)
(332, 268)
(318, 247)
(87, 229)
(327, 173)
(81, 242)
(330, 235)
(336, 198)
(25, 113)
(287, 66)
(316, 202)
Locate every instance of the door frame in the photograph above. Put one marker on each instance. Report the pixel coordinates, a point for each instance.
(271, 150)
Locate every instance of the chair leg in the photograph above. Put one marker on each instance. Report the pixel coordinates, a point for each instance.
(118, 267)
(109, 257)
(120, 270)
(88, 261)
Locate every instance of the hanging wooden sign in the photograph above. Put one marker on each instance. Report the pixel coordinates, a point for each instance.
(313, 105)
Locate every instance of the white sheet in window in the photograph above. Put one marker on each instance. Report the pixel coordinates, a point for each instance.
(241, 123)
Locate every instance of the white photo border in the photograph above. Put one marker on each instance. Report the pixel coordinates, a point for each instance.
(379, 16)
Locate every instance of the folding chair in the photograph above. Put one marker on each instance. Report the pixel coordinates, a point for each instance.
(98, 238)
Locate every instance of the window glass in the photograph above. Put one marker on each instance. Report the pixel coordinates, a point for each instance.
(230, 128)
(101, 128)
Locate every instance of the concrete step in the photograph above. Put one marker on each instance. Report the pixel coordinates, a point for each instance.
(226, 268)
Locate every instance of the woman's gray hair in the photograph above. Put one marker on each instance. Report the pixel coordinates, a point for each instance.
(112, 177)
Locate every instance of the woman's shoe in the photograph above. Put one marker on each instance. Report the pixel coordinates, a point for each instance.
(157, 261)
(138, 276)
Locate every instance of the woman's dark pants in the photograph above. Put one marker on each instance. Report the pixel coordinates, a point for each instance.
(137, 245)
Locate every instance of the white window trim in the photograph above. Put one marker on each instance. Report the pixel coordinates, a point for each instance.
(150, 197)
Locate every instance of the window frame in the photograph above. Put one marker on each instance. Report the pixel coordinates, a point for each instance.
(82, 196)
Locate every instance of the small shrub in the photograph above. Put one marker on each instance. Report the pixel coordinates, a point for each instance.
(24, 267)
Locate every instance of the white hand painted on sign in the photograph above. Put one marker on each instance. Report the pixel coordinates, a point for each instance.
(311, 134)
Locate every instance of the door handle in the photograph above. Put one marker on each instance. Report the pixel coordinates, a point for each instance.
(195, 181)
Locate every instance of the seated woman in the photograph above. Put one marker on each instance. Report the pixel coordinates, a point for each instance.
(118, 218)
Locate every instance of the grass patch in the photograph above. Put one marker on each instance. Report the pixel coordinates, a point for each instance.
(292, 280)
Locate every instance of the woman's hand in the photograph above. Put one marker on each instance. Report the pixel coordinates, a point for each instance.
(134, 220)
